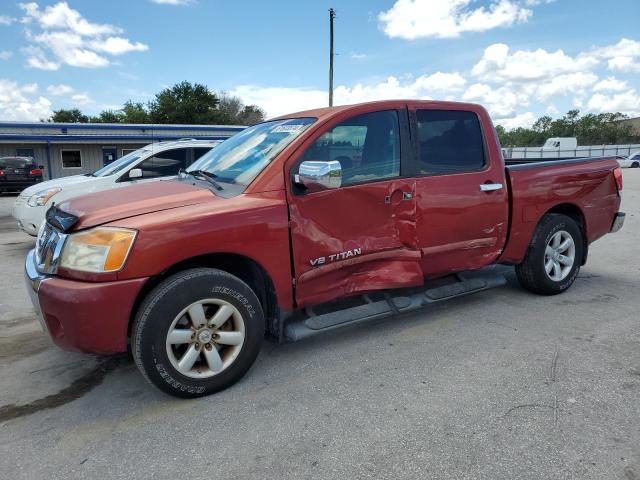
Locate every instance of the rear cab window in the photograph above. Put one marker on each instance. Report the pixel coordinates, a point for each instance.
(449, 141)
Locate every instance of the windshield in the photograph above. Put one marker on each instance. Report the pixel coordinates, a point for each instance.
(121, 163)
(242, 157)
(15, 162)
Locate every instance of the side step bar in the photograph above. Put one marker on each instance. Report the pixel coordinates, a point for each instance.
(317, 324)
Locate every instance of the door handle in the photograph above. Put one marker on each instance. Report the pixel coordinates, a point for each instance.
(490, 187)
(405, 196)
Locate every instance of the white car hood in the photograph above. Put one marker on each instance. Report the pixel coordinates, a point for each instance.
(58, 182)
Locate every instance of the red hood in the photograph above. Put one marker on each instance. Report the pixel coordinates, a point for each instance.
(116, 204)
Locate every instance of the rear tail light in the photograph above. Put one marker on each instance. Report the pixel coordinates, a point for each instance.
(35, 171)
(1, 173)
(617, 174)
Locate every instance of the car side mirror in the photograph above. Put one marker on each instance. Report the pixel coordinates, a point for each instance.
(135, 173)
(316, 176)
(41, 167)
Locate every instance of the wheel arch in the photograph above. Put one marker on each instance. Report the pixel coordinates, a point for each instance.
(243, 267)
(574, 212)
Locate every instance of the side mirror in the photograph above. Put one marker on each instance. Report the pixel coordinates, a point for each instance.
(316, 176)
(135, 173)
(41, 167)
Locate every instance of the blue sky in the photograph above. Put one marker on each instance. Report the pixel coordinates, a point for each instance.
(520, 58)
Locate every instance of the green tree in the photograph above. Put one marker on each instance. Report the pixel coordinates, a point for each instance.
(109, 116)
(135, 112)
(69, 116)
(590, 129)
(185, 103)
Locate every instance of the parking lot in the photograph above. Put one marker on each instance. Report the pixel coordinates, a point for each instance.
(500, 385)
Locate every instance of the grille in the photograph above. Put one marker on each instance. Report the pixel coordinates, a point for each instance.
(48, 247)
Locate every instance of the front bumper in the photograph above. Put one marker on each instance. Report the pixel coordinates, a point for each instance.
(29, 218)
(89, 317)
(618, 222)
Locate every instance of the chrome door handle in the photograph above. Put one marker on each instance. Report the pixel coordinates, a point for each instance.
(490, 187)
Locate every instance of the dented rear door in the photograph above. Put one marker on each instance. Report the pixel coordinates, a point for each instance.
(362, 236)
(461, 191)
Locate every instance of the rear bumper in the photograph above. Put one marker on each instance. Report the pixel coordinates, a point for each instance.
(618, 222)
(83, 316)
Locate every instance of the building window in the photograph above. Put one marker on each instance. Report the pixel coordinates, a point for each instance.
(71, 159)
(25, 152)
(127, 151)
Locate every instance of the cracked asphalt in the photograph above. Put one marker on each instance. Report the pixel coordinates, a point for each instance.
(500, 385)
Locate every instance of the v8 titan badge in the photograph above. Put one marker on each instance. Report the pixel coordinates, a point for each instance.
(336, 256)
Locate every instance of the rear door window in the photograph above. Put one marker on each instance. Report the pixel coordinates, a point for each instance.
(449, 141)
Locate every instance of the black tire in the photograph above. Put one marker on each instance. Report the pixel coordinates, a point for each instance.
(635, 165)
(531, 272)
(162, 306)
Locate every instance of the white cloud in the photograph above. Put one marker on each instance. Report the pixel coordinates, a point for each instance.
(565, 84)
(117, 46)
(501, 102)
(411, 19)
(610, 84)
(280, 100)
(81, 98)
(66, 38)
(5, 54)
(627, 102)
(552, 110)
(623, 64)
(623, 56)
(20, 103)
(6, 20)
(358, 56)
(497, 64)
(525, 120)
(59, 90)
(36, 58)
(441, 82)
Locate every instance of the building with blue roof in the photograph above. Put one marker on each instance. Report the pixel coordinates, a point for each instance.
(77, 148)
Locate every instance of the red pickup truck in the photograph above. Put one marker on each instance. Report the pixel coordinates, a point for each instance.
(306, 223)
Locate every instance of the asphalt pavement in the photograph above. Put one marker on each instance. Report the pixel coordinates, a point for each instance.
(503, 384)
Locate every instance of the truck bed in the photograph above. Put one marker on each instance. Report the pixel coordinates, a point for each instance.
(583, 187)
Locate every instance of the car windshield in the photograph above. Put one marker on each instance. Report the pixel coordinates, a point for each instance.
(15, 162)
(121, 163)
(242, 157)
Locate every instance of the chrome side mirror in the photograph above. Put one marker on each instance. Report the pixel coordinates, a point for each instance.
(135, 173)
(316, 176)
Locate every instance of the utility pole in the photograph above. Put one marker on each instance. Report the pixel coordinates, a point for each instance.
(332, 15)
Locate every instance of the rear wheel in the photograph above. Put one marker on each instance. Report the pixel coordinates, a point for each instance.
(635, 165)
(553, 259)
(197, 332)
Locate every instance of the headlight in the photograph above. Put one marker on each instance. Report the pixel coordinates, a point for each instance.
(40, 198)
(99, 250)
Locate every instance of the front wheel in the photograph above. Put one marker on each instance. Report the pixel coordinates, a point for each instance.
(553, 259)
(198, 332)
(635, 165)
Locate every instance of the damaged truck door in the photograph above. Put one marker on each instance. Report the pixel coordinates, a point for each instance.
(358, 233)
(462, 194)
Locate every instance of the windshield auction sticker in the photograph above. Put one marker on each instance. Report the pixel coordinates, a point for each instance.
(289, 128)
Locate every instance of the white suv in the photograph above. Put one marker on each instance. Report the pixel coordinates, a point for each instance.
(155, 161)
